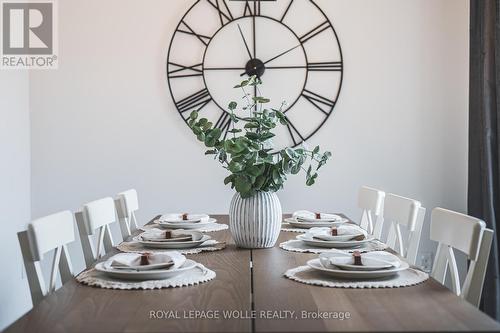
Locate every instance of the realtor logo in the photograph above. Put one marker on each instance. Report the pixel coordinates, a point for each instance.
(29, 36)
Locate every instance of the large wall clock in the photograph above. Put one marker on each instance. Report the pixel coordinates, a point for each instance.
(290, 44)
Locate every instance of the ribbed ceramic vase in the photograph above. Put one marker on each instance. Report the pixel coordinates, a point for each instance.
(255, 222)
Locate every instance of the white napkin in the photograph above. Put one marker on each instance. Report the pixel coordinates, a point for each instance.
(158, 235)
(307, 216)
(344, 233)
(133, 260)
(177, 218)
(370, 259)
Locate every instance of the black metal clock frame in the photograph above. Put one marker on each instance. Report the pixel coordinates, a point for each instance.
(201, 98)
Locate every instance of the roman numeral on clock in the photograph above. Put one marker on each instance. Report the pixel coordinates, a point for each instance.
(224, 123)
(294, 133)
(181, 71)
(252, 8)
(323, 104)
(314, 32)
(196, 101)
(223, 10)
(185, 28)
(333, 66)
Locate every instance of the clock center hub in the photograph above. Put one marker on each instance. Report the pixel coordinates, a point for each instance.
(255, 67)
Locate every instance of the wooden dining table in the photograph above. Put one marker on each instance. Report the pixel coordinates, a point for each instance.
(250, 294)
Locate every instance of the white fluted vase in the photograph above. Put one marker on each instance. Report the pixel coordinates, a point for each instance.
(255, 222)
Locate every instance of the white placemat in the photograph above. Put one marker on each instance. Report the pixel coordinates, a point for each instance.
(136, 247)
(307, 275)
(197, 275)
(295, 245)
(211, 227)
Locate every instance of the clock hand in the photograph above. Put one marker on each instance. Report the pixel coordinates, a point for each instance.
(276, 57)
(282, 54)
(254, 33)
(244, 41)
(222, 68)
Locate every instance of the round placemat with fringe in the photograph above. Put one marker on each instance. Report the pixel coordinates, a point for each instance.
(307, 275)
(197, 275)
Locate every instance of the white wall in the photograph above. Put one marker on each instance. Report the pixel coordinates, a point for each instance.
(104, 121)
(14, 192)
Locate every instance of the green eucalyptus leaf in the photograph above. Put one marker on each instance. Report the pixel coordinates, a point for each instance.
(232, 106)
(310, 182)
(207, 126)
(267, 136)
(252, 125)
(236, 166)
(228, 179)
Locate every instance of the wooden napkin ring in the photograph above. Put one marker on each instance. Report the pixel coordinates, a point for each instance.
(334, 231)
(185, 216)
(318, 216)
(168, 234)
(357, 258)
(145, 259)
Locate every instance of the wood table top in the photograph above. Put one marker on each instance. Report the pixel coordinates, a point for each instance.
(250, 294)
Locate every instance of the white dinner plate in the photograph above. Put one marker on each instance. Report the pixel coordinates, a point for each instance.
(185, 225)
(157, 274)
(333, 244)
(177, 218)
(345, 274)
(308, 225)
(333, 218)
(172, 245)
(373, 261)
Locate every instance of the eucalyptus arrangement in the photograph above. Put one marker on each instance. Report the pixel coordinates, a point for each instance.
(247, 151)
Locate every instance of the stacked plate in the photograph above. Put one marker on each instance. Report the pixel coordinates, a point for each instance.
(134, 266)
(176, 239)
(305, 220)
(339, 264)
(347, 236)
(185, 221)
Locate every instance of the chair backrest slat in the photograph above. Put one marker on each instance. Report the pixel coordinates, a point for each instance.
(127, 204)
(96, 216)
(50, 233)
(400, 211)
(414, 238)
(473, 284)
(453, 230)
(371, 201)
(460, 231)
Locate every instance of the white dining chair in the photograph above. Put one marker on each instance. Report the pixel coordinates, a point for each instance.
(50, 233)
(469, 235)
(126, 205)
(96, 216)
(371, 201)
(409, 214)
